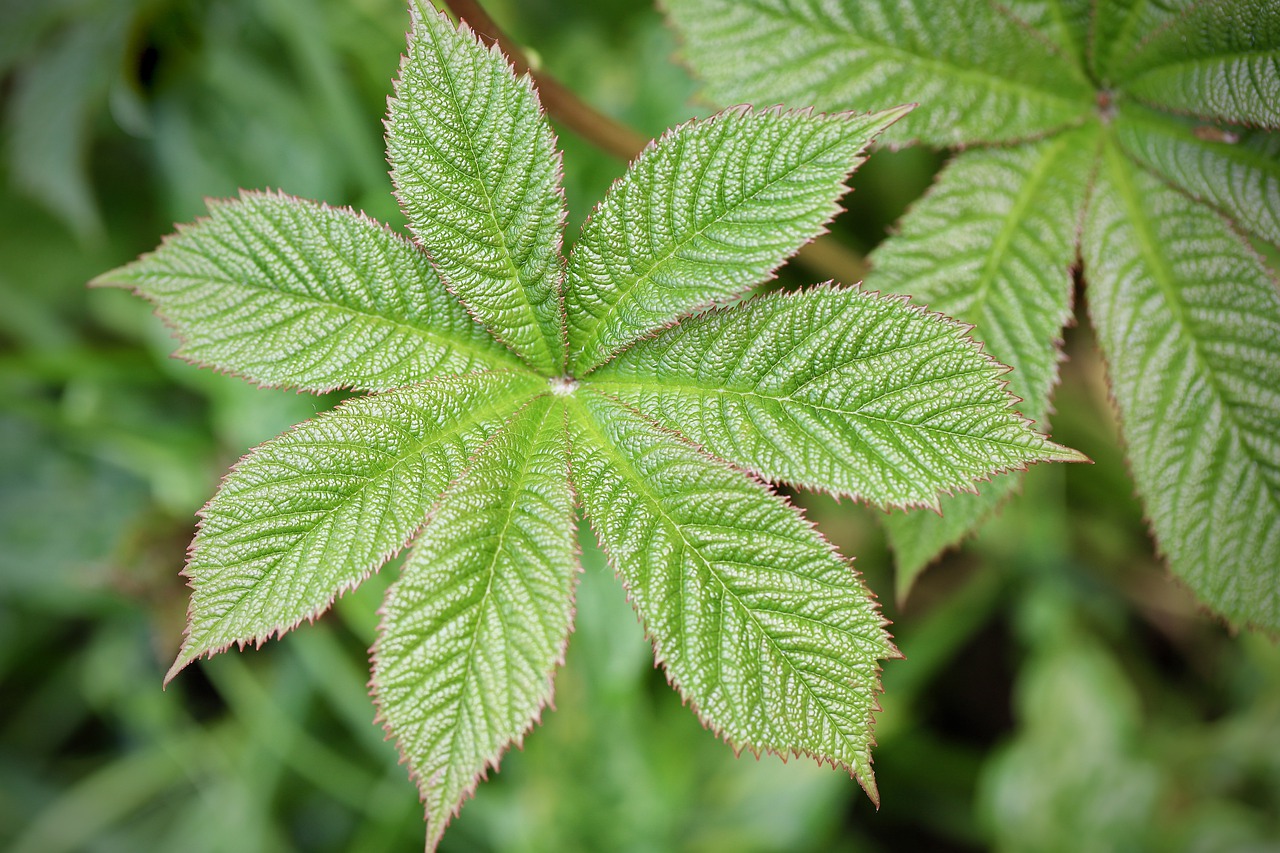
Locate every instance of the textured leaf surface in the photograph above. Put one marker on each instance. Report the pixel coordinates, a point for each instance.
(838, 390)
(1219, 59)
(1065, 22)
(475, 626)
(759, 623)
(288, 292)
(1239, 174)
(1117, 28)
(713, 208)
(978, 73)
(992, 244)
(1189, 321)
(477, 171)
(313, 512)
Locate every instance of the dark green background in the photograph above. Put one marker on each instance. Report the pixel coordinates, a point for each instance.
(1060, 691)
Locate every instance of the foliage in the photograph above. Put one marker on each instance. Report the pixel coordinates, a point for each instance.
(1132, 146)
(560, 389)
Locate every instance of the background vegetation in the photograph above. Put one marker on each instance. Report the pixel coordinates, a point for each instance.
(1060, 691)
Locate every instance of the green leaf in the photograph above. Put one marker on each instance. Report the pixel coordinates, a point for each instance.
(1219, 59)
(476, 169)
(978, 72)
(475, 626)
(289, 292)
(832, 389)
(1117, 28)
(1239, 174)
(710, 210)
(1066, 22)
(759, 623)
(310, 514)
(992, 244)
(1189, 320)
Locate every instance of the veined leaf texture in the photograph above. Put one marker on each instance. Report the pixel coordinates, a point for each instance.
(512, 384)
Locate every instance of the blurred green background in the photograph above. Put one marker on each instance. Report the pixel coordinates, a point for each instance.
(1059, 692)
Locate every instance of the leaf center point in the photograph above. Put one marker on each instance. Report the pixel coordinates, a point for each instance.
(562, 386)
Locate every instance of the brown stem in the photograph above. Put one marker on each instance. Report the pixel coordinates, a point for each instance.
(826, 258)
(604, 132)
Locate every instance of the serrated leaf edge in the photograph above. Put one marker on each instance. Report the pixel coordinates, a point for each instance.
(185, 658)
(892, 652)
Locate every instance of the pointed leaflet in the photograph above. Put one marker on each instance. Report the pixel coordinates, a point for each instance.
(991, 244)
(1189, 321)
(289, 292)
(838, 390)
(1240, 175)
(310, 514)
(978, 73)
(476, 168)
(478, 620)
(1219, 59)
(711, 209)
(758, 622)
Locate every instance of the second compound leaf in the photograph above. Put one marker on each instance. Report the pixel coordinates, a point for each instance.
(1189, 321)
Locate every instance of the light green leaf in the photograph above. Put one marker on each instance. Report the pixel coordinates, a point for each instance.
(710, 210)
(1066, 22)
(1237, 173)
(978, 73)
(476, 169)
(992, 244)
(475, 626)
(1189, 321)
(310, 514)
(759, 623)
(1219, 59)
(831, 389)
(293, 293)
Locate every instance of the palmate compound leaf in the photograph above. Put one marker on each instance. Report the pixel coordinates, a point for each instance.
(1189, 320)
(759, 623)
(477, 172)
(992, 244)
(475, 626)
(292, 293)
(310, 514)
(832, 389)
(708, 211)
(756, 618)
(979, 73)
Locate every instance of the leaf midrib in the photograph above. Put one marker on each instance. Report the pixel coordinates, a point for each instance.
(494, 222)
(585, 419)
(692, 389)
(491, 571)
(947, 69)
(499, 353)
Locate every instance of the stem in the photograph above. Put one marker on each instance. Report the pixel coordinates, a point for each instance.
(826, 258)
